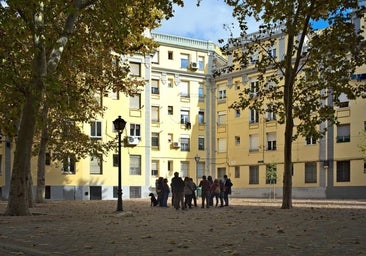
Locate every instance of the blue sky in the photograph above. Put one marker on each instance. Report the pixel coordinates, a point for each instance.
(206, 22)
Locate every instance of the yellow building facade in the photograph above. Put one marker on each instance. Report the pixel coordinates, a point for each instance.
(181, 122)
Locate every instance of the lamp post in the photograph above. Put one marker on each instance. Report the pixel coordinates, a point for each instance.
(197, 159)
(119, 126)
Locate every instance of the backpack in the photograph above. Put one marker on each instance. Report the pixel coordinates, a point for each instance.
(217, 190)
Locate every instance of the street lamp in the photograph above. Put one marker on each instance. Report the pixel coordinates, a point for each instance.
(119, 126)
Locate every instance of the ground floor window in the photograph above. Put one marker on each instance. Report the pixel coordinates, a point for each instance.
(254, 174)
(310, 172)
(135, 192)
(343, 171)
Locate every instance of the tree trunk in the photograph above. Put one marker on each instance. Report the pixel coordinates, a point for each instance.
(18, 203)
(287, 175)
(41, 181)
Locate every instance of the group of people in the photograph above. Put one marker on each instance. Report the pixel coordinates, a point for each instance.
(218, 189)
(184, 191)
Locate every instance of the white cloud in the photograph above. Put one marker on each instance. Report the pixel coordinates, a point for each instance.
(205, 22)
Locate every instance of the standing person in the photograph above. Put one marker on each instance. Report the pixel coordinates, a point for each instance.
(178, 191)
(210, 196)
(194, 198)
(166, 191)
(159, 190)
(188, 192)
(205, 188)
(227, 189)
(221, 193)
(215, 191)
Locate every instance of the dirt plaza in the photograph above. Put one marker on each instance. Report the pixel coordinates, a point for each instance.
(246, 227)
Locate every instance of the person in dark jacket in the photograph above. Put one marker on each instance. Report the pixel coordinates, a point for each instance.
(205, 188)
(178, 191)
(166, 191)
(227, 189)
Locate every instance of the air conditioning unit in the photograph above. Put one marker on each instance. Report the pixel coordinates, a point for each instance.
(193, 65)
(176, 144)
(133, 140)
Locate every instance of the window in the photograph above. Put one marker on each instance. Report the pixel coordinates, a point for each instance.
(155, 58)
(170, 165)
(135, 69)
(135, 192)
(201, 95)
(115, 160)
(201, 143)
(221, 118)
(135, 130)
(271, 174)
(254, 85)
(155, 140)
(271, 141)
(343, 133)
(184, 167)
(237, 112)
(310, 140)
(254, 174)
(201, 63)
(96, 129)
(253, 115)
(68, 164)
(154, 86)
(221, 171)
(96, 164)
(310, 172)
(170, 55)
(221, 145)
(184, 144)
(253, 142)
(155, 167)
(170, 110)
(272, 53)
(270, 115)
(237, 172)
(254, 58)
(135, 101)
(135, 165)
(184, 60)
(221, 93)
(343, 171)
(200, 170)
(201, 117)
(343, 101)
(155, 114)
(184, 116)
(237, 140)
(170, 83)
(184, 89)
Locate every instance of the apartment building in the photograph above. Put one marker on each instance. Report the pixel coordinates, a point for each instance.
(181, 121)
(250, 145)
(168, 128)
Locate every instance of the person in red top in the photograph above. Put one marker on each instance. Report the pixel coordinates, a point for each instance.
(216, 191)
(205, 188)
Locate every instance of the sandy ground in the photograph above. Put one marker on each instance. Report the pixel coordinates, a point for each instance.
(246, 227)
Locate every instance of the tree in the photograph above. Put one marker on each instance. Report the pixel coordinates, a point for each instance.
(35, 38)
(315, 65)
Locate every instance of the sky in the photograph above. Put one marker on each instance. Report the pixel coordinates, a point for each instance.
(205, 22)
